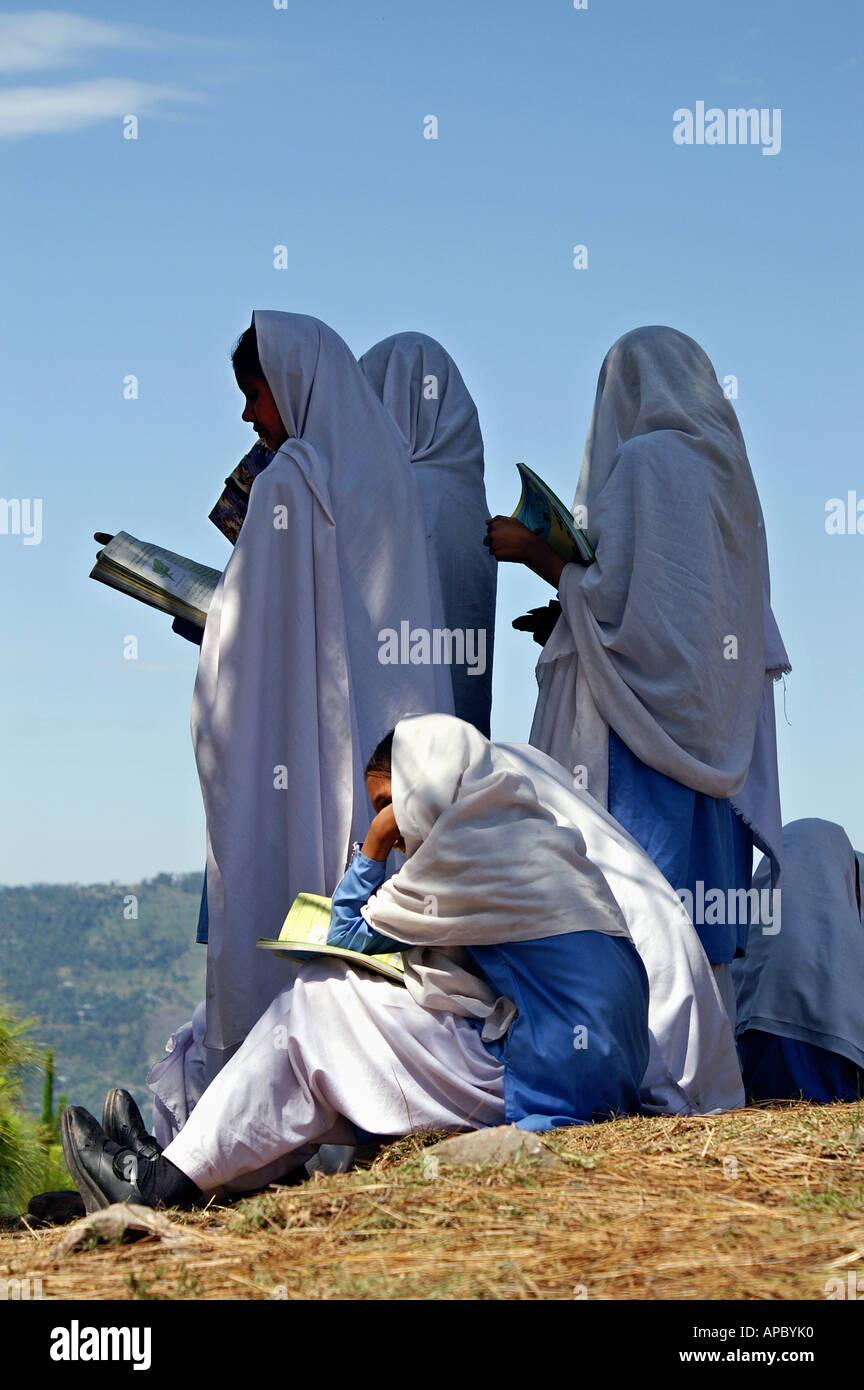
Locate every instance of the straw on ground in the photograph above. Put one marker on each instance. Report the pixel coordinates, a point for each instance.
(755, 1204)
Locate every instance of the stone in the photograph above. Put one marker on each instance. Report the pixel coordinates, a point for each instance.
(121, 1222)
(500, 1144)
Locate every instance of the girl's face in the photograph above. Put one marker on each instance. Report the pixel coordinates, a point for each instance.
(261, 412)
(383, 832)
(380, 790)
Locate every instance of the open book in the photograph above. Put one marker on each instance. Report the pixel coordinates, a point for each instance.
(157, 577)
(168, 581)
(545, 514)
(304, 936)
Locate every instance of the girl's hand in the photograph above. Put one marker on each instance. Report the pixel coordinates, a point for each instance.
(382, 835)
(509, 539)
(539, 621)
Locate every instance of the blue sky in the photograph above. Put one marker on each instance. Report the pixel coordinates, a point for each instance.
(303, 126)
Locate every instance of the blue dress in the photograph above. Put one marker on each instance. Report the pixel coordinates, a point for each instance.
(578, 1048)
(203, 929)
(775, 1068)
(691, 838)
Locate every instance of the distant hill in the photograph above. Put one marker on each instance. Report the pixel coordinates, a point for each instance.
(108, 987)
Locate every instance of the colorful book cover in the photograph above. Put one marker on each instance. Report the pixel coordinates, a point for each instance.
(229, 512)
(545, 514)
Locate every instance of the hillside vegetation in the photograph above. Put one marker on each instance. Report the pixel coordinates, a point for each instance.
(106, 986)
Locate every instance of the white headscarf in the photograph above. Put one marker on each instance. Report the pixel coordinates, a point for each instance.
(668, 638)
(423, 390)
(290, 695)
(486, 862)
(502, 847)
(806, 981)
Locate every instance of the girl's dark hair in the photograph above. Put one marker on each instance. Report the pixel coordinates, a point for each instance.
(244, 358)
(382, 758)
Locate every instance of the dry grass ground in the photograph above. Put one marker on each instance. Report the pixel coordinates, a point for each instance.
(755, 1204)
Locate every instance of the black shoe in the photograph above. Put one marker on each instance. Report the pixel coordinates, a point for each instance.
(102, 1171)
(55, 1208)
(122, 1122)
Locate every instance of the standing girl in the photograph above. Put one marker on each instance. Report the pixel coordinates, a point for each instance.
(656, 685)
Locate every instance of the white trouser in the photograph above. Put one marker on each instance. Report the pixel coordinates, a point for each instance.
(338, 1045)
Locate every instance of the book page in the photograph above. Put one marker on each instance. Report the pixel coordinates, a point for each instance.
(194, 584)
(308, 920)
(304, 936)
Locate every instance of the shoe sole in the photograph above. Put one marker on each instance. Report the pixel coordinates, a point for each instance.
(92, 1196)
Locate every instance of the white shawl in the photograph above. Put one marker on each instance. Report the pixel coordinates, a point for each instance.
(668, 638)
(806, 981)
(502, 847)
(423, 390)
(290, 696)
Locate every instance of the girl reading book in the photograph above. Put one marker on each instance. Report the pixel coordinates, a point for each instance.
(655, 685)
(290, 691)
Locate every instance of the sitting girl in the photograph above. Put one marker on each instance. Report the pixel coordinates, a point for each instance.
(800, 1021)
(511, 925)
(526, 997)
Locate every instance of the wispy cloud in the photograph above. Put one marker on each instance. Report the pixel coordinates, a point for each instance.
(60, 109)
(47, 40)
(44, 39)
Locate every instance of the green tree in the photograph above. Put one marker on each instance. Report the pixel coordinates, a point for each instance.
(31, 1157)
(22, 1156)
(48, 1098)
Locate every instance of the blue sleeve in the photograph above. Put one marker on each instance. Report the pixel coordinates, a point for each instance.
(347, 928)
